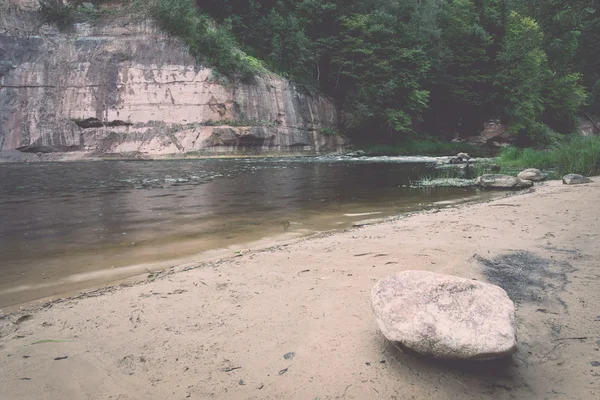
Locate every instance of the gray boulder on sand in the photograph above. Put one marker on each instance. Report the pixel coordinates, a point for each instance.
(531, 174)
(445, 316)
(575, 179)
(499, 181)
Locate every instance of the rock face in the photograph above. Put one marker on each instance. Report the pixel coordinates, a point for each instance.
(123, 87)
(531, 174)
(588, 126)
(575, 179)
(499, 181)
(444, 316)
(494, 134)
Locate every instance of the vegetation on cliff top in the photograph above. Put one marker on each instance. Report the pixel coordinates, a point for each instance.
(399, 68)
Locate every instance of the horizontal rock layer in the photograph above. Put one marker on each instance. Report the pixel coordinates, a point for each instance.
(123, 87)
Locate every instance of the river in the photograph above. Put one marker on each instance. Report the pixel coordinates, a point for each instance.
(69, 226)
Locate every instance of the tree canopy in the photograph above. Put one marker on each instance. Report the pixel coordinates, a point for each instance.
(406, 67)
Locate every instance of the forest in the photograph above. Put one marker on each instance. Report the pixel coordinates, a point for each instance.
(404, 68)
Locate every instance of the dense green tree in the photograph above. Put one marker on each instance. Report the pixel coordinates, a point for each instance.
(462, 93)
(405, 67)
(523, 69)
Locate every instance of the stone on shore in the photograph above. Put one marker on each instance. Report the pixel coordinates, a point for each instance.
(531, 174)
(499, 181)
(575, 179)
(445, 316)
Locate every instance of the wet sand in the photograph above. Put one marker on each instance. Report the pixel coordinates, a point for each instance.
(220, 330)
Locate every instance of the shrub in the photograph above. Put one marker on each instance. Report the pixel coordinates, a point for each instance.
(328, 132)
(56, 12)
(207, 42)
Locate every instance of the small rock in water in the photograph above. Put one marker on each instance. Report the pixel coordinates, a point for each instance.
(531, 174)
(575, 179)
(445, 316)
(499, 181)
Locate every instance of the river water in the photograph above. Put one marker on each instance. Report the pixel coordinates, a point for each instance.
(68, 226)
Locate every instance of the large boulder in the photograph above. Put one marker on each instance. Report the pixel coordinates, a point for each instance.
(575, 179)
(531, 174)
(499, 181)
(444, 316)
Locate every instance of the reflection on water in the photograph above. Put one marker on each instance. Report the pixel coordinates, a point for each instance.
(67, 225)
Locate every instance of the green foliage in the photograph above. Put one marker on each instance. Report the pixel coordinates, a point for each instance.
(580, 155)
(526, 158)
(523, 67)
(463, 71)
(328, 132)
(564, 97)
(399, 68)
(57, 12)
(209, 43)
(577, 154)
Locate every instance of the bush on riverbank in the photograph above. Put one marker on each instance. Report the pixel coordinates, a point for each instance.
(576, 154)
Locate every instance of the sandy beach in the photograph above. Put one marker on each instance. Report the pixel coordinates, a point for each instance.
(294, 321)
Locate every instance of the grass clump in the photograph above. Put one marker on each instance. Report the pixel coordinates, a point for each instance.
(526, 158)
(581, 155)
(575, 154)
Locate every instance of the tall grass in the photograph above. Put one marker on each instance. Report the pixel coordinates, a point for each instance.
(526, 158)
(577, 154)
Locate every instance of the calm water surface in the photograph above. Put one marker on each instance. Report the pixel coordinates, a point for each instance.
(67, 226)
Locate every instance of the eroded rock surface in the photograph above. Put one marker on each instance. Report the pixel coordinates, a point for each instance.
(445, 316)
(122, 87)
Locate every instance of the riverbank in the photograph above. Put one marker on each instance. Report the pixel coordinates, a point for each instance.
(227, 329)
(16, 156)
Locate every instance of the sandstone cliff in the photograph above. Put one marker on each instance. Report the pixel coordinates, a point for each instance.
(122, 87)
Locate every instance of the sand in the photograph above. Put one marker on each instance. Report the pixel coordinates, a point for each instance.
(221, 330)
